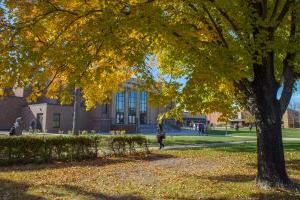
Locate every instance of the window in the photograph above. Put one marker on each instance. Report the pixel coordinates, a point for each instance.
(131, 107)
(120, 106)
(104, 108)
(143, 108)
(56, 120)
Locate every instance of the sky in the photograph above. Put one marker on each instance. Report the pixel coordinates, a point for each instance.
(296, 95)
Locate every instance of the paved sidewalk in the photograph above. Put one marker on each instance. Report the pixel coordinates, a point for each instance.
(188, 146)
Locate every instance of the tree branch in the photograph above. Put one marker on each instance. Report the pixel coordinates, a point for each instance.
(226, 16)
(245, 86)
(289, 76)
(264, 5)
(275, 10)
(217, 27)
(283, 12)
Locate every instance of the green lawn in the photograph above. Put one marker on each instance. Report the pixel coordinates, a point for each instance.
(219, 136)
(294, 133)
(221, 173)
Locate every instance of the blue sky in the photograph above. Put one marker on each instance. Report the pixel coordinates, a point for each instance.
(296, 95)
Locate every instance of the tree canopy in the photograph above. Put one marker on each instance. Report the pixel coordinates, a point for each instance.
(97, 45)
(230, 53)
(57, 45)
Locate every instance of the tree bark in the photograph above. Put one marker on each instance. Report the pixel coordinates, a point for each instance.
(76, 111)
(270, 152)
(271, 171)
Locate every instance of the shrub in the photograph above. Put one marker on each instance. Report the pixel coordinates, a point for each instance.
(121, 144)
(28, 149)
(84, 132)
(118, 132)
(39, 149)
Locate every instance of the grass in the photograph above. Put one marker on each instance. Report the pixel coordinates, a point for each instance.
(219, 136)
(211, 173)
(291, 133)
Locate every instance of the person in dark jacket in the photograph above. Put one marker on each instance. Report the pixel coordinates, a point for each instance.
(160, 135)
(12, 131)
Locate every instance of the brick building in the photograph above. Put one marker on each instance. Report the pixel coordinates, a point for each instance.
(129, 109)
(291, 119)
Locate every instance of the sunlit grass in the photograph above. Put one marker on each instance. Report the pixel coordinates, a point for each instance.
(207, 173)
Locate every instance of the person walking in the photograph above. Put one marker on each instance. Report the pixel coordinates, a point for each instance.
(160, 135)
(250, 127)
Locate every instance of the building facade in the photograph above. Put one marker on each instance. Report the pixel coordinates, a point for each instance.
(291, 119)
(129, 110)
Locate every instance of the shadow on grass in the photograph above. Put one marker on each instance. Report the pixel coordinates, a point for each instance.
(208, 198)
(97, 162)
(293, 164)
(276, 195)
(10, 190)
(238, 178)
(95, 195)
(290, 164)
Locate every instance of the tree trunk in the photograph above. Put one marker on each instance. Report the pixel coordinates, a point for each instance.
(268, 114)
(75, 112)
(270, 152)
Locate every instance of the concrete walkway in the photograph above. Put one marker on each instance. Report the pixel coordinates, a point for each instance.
(205, 145)
(217, 144)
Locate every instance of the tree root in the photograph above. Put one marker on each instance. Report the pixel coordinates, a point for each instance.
(286, 185)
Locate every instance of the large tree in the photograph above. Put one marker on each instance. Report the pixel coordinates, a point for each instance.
(230, 53)
(252, 50)
(56, 46)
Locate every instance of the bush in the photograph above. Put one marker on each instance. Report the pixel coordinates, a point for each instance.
(39, 149)
(84, 132)
(118, 132)
(121, 144)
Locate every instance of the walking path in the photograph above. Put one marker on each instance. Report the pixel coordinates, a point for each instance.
(217, 144)
(205, 145)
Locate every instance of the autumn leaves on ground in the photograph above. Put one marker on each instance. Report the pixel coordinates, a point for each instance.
(209, 173)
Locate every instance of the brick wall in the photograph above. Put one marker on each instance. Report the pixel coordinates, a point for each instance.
(10, 109)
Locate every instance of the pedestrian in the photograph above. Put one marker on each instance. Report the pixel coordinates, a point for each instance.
(199, 129)
(12, 131)
(160, 135)
(237, 127)
(250, 127)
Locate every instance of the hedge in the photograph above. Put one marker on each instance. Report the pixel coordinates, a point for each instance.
(40, 149)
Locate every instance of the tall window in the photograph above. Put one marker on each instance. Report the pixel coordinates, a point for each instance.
(143, 108)
(104, 108)
(56, 120)
(131, 107)
(120, 107)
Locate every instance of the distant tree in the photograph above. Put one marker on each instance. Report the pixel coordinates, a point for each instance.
(249, 119)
